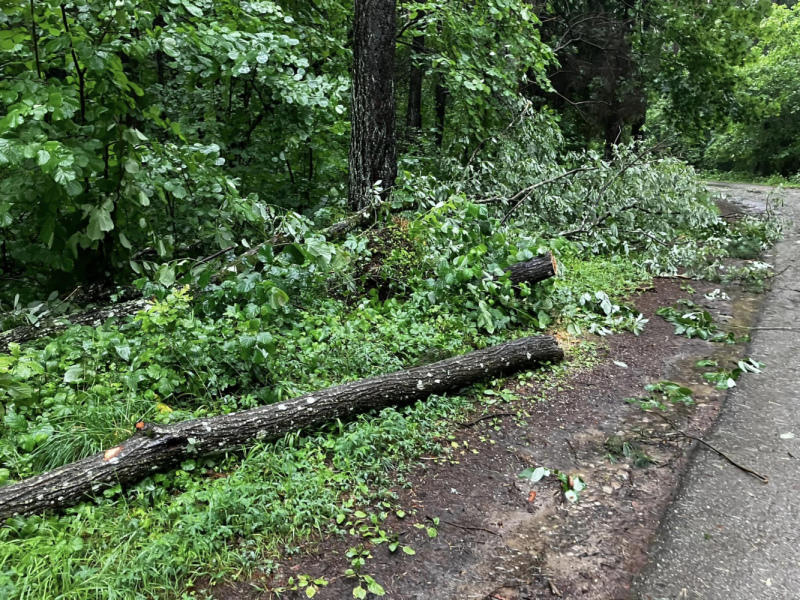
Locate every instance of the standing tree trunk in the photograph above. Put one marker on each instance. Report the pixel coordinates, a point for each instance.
(440, 100)
(637, 128)
(612, 132)
(414, 111)
(373, 153)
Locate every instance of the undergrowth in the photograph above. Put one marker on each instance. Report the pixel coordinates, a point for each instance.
(419, 287)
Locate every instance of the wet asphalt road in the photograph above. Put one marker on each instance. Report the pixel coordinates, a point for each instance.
(727, 535)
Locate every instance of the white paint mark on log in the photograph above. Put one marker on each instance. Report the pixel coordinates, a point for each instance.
(420, 385)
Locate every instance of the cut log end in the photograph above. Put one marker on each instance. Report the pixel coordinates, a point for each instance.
(535, 270)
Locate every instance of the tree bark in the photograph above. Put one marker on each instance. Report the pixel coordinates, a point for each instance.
(440, 102)
(157, 447)
(533, 271)
(373, 152)
(414, 109)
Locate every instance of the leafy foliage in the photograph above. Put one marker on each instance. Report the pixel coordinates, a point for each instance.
(724, 379)
(571, 485)
(762, 135)
(150, 143)
(692, 321)
(662, 394)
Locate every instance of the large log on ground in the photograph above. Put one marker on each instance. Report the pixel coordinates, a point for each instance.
(532, 271)
(159, 447)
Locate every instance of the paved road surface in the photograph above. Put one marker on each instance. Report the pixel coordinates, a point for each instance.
(728, 536)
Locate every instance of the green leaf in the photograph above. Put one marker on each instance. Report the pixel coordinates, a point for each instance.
(409, 550)
(166, 275)
(18, 390)
(320, 249)
(131, 166)
(534, 474)
(374, 587)
(359, 592)
(277, 298)
(16, 422)
(73, 374)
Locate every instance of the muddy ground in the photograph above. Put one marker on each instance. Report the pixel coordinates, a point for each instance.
(496, 539)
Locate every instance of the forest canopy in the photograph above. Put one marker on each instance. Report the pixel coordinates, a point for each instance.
(157, 130)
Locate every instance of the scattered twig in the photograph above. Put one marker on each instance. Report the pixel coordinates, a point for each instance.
(484, 417)
(758, 476)
(774, 274)
(574, 452)
(553, 589)
(215, 255)
(464, 526)
(674, 277)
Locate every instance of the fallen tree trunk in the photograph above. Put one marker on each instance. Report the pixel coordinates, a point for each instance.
(532, 271)
(90, 318)
(535, 270)
(158, 447)
(97, 316)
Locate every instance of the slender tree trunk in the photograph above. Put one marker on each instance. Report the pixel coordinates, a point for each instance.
(81, 82)
(414, 110)
(612, 133)
(373, 152)
(637, 128)
(35, 40)
(440, 100)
